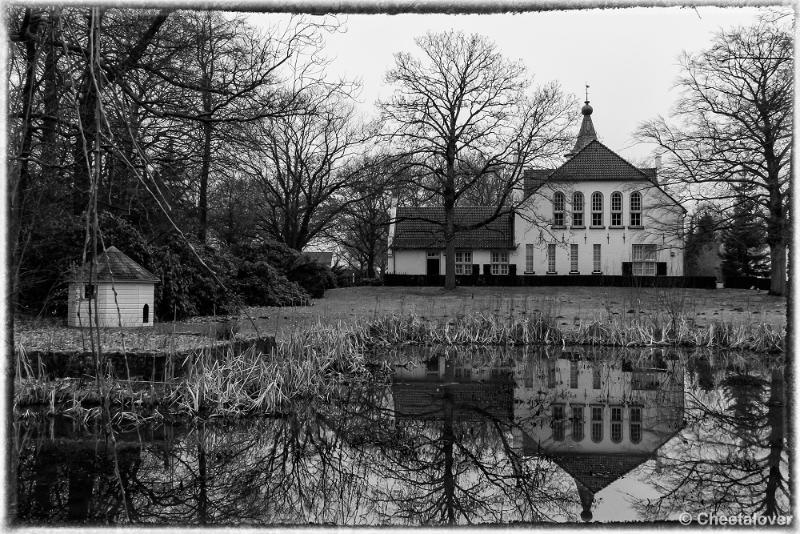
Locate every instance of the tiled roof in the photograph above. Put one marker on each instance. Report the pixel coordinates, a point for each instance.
(469, 401)
(114, 265)
(596, 471)
(323, 258)
(423, 228)
(595, 161)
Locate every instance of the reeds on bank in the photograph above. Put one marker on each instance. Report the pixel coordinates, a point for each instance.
(540, 329)
(323, 362)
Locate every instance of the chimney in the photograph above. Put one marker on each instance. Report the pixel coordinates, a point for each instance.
(658, 161)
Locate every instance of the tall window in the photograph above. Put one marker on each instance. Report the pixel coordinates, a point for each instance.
(573, 258)
(558, 209)
(597, 423)
(551, 373)
(529, 258)
(596, 258)
(616, 424)
(577, 423)
(644, 260)
(636, 209)
(636, 424)
(596, 376)
(616, 208)
(577, 209)
(558, 422)
(463, 262)
(597, 208)
(499, 262)
(573, 374)
(551, 258)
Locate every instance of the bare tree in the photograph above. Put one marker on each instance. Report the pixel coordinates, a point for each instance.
(463, 102)
(732, 128)
(361, 229)
(297, 162)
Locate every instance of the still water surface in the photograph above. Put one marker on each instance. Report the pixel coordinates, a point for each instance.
(495, 436)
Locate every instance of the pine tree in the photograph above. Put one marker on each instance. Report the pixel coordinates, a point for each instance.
(744, 249)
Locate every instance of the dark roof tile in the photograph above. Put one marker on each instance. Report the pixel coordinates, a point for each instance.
(596, 471)
(423, 228)
(115, 265)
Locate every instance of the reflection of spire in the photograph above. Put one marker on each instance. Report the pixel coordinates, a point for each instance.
(587, 497)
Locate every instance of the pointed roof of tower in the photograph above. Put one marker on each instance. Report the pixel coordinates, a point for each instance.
(586, 134)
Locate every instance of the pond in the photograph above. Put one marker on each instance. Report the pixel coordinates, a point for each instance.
(487, 436)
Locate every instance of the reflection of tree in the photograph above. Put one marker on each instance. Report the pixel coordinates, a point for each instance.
(455, 460)
(732, 457)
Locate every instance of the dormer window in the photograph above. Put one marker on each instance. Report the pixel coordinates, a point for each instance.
(558, 209)
(597, 208)
(577, 209)
(636, 209)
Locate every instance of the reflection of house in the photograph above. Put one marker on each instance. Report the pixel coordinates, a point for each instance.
(598, 419)
(444, 388)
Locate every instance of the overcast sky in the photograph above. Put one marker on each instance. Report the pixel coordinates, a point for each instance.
(629, 57)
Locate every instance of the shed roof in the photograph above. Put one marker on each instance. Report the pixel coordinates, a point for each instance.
(423, 228)
(114, 265)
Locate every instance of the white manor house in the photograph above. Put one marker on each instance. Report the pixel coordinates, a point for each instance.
(596, 214)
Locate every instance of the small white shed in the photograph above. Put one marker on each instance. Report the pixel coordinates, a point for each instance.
(122, 291)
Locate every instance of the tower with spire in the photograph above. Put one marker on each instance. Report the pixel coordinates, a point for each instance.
(586, 134)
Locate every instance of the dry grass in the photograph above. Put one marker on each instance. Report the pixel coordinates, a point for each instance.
(568, 306)
(539, 329)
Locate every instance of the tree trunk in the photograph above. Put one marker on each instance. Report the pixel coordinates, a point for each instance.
(371, 265)
(449, 197)
(777, 270)
(30, 28)
(202, 229)
(775, 419)
(449, 249)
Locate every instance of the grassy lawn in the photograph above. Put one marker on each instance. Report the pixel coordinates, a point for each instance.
(568, 305)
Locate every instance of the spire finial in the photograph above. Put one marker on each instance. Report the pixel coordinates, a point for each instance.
(587, 92)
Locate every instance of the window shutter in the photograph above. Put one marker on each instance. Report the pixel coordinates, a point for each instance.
(661, 268)
(512, 269)
(627, 268)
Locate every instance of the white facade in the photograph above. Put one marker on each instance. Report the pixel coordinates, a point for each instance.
(661, 226)
(123, 304)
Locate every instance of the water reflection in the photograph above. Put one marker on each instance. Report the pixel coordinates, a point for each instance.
(493, 436)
